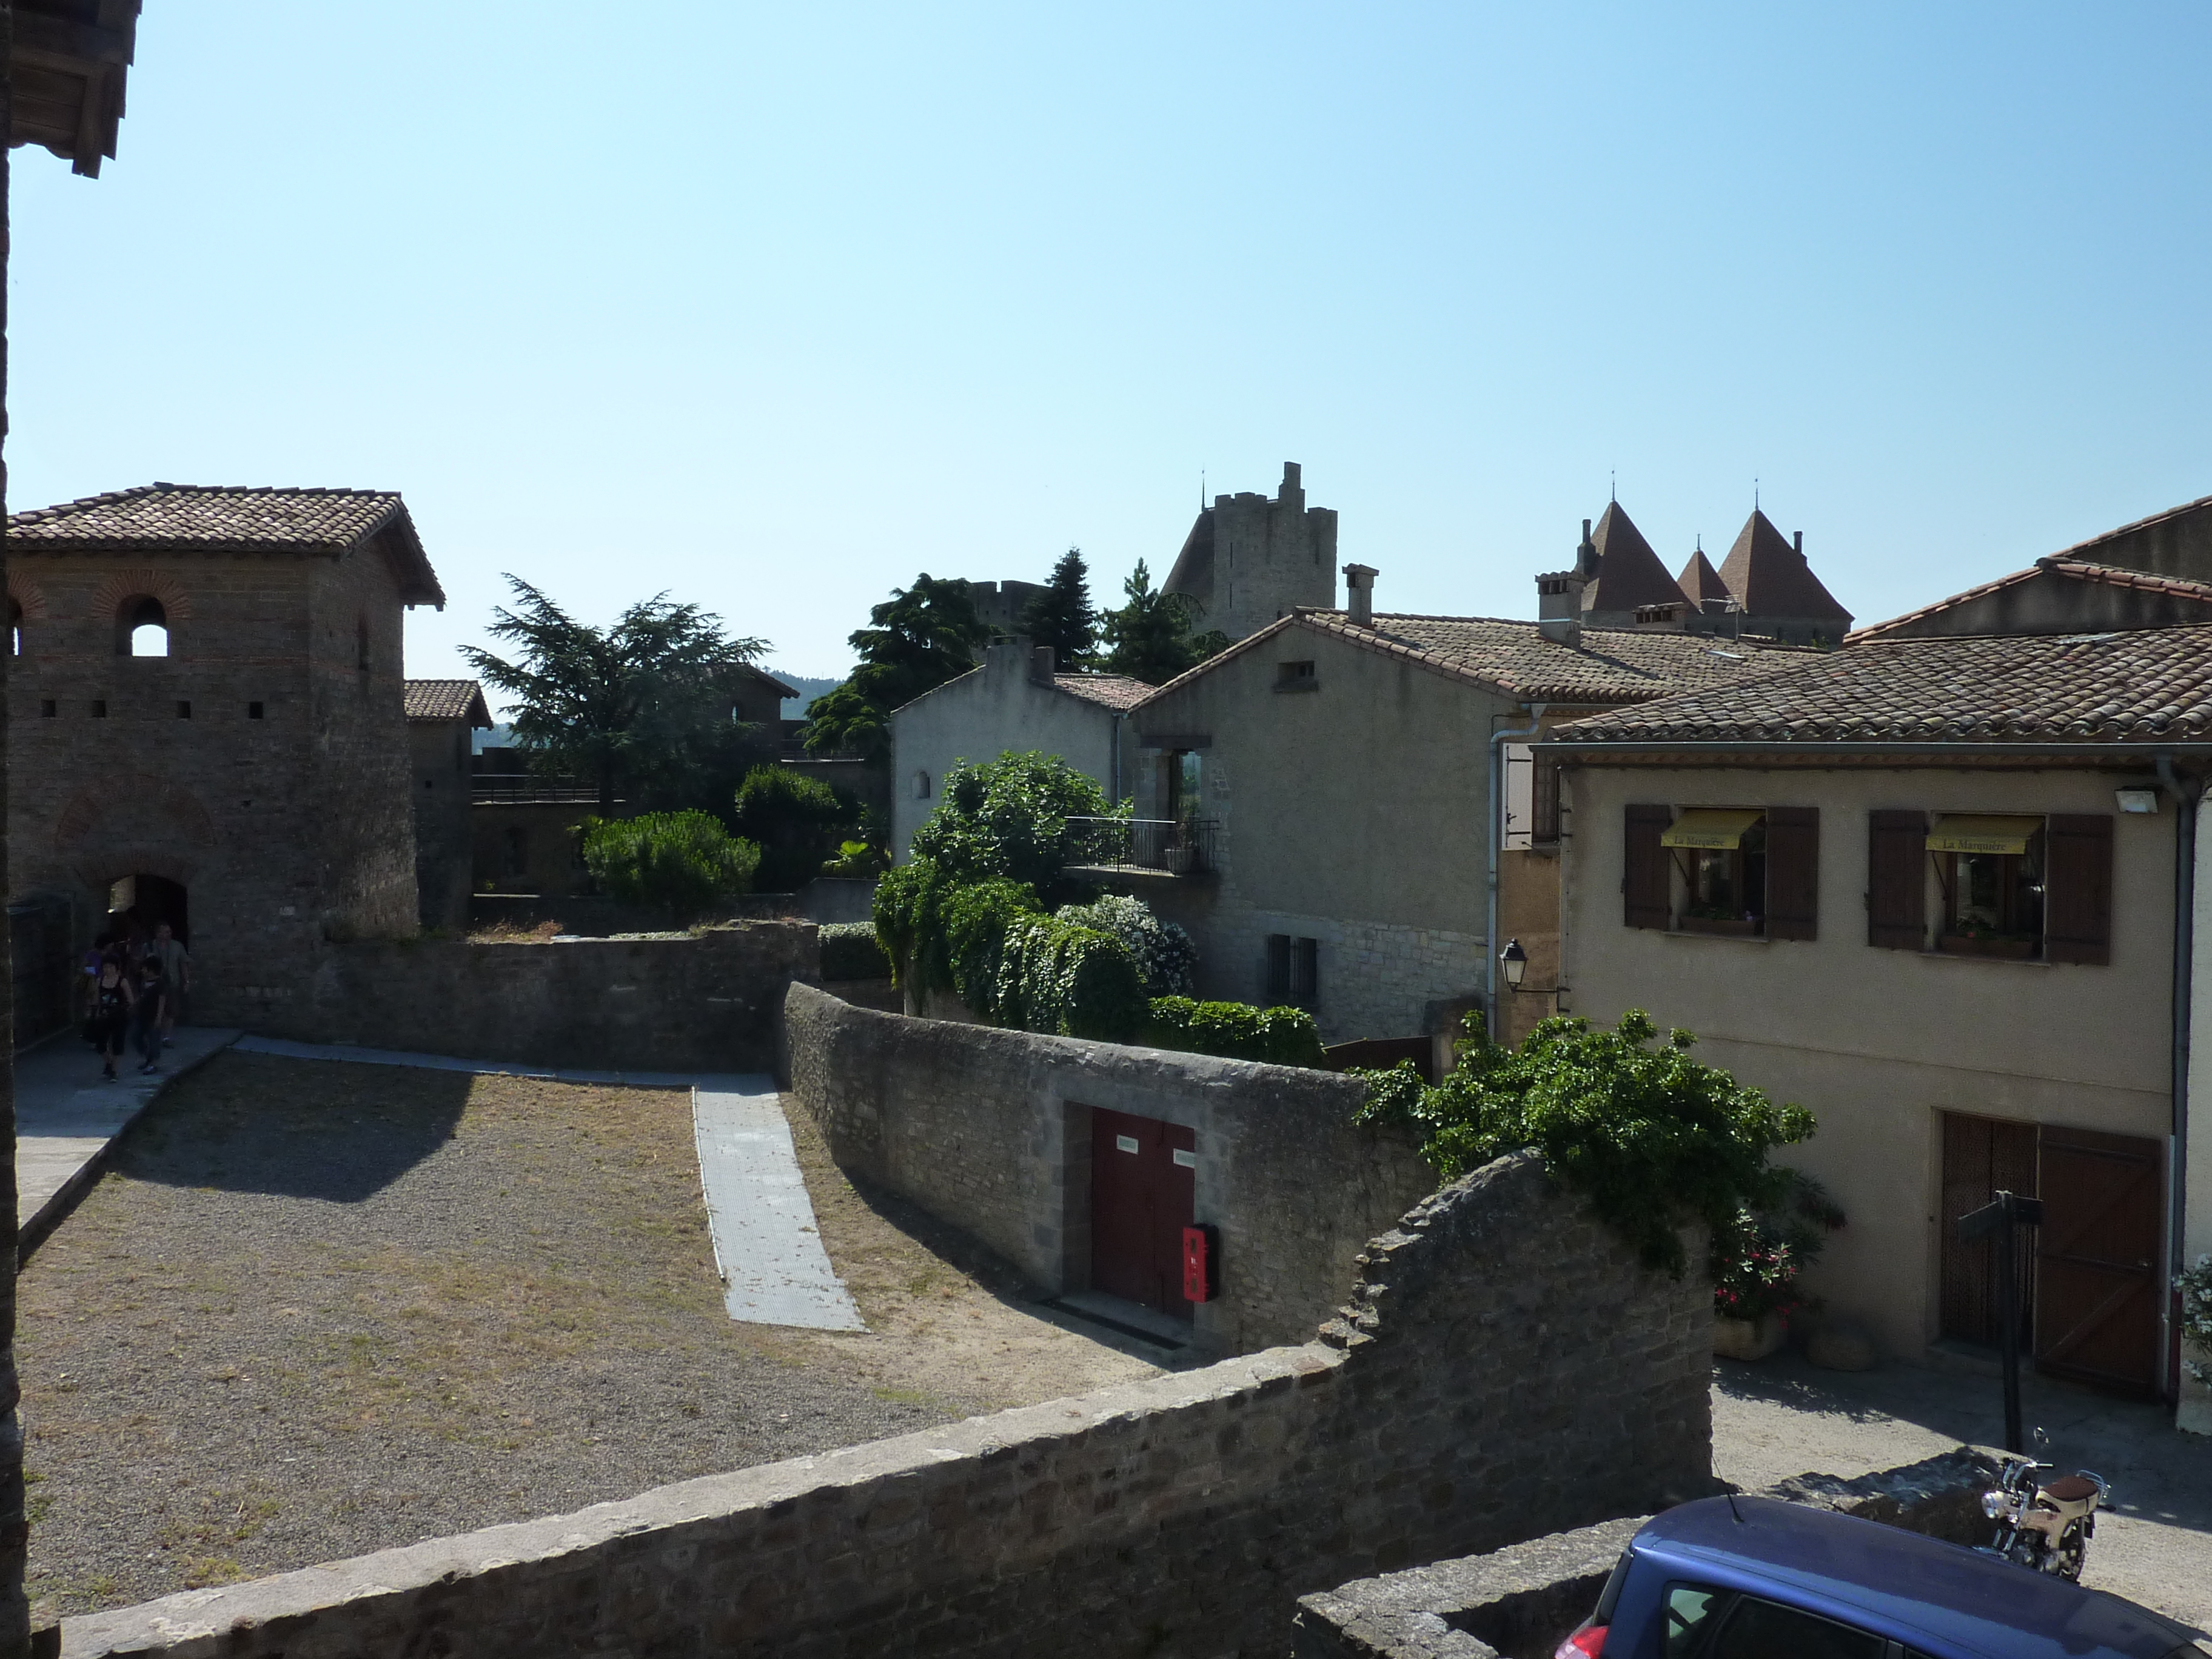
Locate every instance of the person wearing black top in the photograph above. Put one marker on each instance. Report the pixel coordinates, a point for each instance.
(113, 995)
(146, 1008)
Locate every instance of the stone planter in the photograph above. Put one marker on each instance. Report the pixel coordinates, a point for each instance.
(1748, 1339)
(1179, 859)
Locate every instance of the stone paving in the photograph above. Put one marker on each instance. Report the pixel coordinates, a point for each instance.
(67, 1117)
(1782, 1417)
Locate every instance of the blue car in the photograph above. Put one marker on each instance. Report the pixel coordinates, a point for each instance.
(1756, 1579)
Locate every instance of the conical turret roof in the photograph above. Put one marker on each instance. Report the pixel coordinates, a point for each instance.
(1771, 578)
(1701, 582)
(1628, 573)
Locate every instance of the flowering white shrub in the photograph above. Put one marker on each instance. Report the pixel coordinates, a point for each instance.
(2196, 1286)
(1163, 951)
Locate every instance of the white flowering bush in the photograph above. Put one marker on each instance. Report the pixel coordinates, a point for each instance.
(2195, 1284)
(1162, 951)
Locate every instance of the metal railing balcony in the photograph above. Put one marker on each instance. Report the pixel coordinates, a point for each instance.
(1183, 849)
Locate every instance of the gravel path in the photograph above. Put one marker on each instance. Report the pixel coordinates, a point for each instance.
(316, 1310)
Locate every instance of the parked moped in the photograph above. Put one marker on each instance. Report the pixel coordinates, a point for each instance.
(2045, 1525)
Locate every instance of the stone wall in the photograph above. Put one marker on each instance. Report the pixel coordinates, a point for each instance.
(1503, 1367)
(697, 1003)
(990, 1130)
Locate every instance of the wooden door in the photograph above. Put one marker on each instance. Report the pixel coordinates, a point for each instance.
(2097, 1276)
(1143, 1194)
(1981, 1157)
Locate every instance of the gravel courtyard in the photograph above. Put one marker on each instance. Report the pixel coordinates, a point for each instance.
(318, 1309)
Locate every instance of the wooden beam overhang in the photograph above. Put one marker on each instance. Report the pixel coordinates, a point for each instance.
(66, 76)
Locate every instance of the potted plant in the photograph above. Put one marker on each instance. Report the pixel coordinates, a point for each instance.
(2193, 1412)
(1756, 1263)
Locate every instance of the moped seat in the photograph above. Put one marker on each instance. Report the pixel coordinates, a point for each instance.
(2070, 1489)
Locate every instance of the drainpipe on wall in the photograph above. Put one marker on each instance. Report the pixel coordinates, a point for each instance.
(1114, 761)
(2185, 931)
(1497, 742)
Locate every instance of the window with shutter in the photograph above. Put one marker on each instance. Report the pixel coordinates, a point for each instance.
(1897, 882)
(1793, 872)
(2077, 906)
(1646, 884)
(1279, 968)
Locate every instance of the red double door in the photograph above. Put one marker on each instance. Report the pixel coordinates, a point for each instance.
(1144, 1192)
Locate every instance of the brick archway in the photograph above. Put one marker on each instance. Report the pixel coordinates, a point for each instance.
(122, 585)
(138, 811)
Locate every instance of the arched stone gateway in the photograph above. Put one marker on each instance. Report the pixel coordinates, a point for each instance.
(133, 821)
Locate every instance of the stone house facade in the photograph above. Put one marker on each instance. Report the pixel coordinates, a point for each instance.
(1943, 891)
(1015, 701)
(441, 715)
(207, 722)
(1345, 776)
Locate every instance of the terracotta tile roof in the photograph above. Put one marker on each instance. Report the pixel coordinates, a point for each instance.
(1628, 573)
(2144, 685)
(1772, 578)
(1112, 691)
(1611, 665)
(213, 519)
(2081, 570)
(447, 700)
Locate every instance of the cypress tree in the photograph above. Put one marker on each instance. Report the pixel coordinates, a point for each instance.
(1061, 617)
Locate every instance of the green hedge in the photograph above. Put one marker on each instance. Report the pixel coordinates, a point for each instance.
(683, 863)
(849, 951)
(1235, 1031)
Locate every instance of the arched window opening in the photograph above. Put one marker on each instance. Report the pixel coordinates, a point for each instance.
(145, 629)
(15, 626)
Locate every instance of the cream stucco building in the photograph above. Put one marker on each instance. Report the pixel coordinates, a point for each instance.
(1938, 887)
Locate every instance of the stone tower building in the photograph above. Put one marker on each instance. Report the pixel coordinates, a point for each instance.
(207, 723)
(1248, 560)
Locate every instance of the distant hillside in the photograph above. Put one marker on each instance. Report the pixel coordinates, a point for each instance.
(794, 709)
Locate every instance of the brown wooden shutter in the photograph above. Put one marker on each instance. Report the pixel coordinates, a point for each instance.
(2077, 890)
(1897, 883)
(1647, 892)
(1793, 872)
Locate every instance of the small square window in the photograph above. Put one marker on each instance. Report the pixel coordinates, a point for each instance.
(183, 709)
(48, 709)
(100, 708)
(253, 711)
(1296, 676)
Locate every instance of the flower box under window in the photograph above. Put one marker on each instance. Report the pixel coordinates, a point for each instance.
(2013, 947)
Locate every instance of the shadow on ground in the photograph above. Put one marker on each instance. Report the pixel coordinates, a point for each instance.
(337, 1134)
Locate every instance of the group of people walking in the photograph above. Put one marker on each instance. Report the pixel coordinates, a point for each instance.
(134, 986)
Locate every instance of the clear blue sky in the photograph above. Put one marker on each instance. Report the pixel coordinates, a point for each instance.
(774, 307)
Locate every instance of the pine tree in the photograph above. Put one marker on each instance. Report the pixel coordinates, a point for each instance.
(1150, 636)
(919, 638)
(1062, 616)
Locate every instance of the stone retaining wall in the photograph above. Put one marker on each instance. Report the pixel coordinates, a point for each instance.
(702, 1003)
(1504, 1366)
(990, 1130)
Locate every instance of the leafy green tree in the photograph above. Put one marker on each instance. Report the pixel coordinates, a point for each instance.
(1655, 1139)
(683, 863)
(1010, 818)
(643, 706)
(1150, 636)
(917, 640)
(796, 820)
(1061, 617)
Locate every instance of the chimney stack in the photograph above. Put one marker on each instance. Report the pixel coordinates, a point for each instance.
(1559, 606)
(1798, 537)
(1359, 594)
(1041, 662)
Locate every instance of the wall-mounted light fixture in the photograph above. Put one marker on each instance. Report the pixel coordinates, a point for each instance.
(2136, 800)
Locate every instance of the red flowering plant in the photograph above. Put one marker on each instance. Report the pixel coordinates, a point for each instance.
(1756, 1260)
